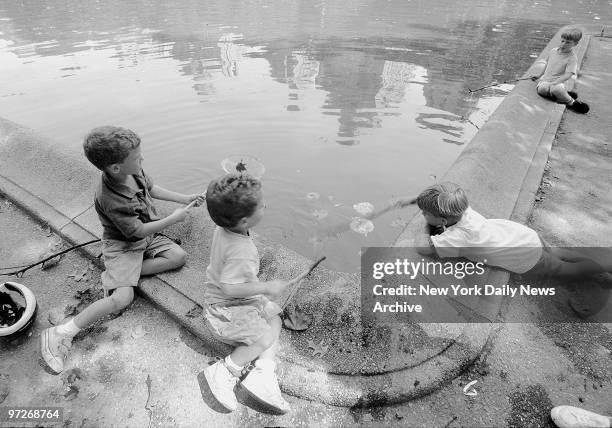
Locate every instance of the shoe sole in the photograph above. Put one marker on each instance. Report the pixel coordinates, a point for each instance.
(45, 353)
(208, 384)
(262, 402)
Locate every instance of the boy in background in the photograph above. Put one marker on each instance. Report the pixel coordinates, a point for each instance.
(560, 65)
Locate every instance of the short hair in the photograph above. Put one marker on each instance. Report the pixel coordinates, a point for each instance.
(232, 197)
(574, 34)
(443, 200)
(107, 145)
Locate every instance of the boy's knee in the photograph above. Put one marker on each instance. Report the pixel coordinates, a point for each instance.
(267, 340)
(177, 257)
(122, 297)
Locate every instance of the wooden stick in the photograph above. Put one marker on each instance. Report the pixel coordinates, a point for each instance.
(297, 285)
(498, 83)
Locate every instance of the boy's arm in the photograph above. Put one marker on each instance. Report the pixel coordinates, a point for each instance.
(151, 227)
(269, 288)
(159, 192)
(562, 78)
(423, 243)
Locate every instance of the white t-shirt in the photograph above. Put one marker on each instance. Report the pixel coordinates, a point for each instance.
(495, 242)
(558, 63)
(234, 259)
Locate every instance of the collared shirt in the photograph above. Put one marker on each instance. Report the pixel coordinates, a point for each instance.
(495, 242)
(123, 210)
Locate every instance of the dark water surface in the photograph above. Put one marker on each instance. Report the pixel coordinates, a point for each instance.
(350, 101)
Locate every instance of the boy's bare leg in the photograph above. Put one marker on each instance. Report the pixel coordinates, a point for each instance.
(265, 347)
(582, 267)
(120, 299)
(166, 260)
(568, 254)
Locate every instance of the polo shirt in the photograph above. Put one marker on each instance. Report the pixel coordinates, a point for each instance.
(123, 210)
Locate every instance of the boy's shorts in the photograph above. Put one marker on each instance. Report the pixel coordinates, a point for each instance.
(242, 321)
(548, 264)
(123, 259)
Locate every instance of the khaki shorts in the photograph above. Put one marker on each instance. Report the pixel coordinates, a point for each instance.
(243, 321)
(123, 260)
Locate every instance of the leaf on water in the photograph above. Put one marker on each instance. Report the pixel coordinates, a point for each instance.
(362, 226)
(319, 214)
(317, 348)
(294, 318)
(364, 208)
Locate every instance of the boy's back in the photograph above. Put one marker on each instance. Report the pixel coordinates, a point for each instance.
(234, 259)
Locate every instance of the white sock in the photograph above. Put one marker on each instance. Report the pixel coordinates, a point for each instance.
(232, 365)
(69, 329)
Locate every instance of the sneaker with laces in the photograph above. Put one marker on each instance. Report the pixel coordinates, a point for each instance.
(262, 385)
(54, 348)
(579, 107)
(221, 383)
(575, 417)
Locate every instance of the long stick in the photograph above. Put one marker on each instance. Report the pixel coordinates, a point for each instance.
(498, 83)
(296, 286)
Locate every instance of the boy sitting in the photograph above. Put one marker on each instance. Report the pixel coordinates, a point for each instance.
(131, 245)
(237, 308)
(561, 65)
(496, 242)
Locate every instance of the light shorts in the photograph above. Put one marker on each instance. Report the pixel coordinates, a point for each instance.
(548, 264)
(242, 321)
(123, 259)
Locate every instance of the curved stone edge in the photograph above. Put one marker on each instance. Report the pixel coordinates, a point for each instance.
(70, 193)
(476, 169)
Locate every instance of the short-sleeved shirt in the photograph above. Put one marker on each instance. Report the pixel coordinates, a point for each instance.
(495, 242)
(234, 259)
(559, 63)
(123, 210)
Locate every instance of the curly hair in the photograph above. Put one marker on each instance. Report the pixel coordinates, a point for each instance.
(232, 197)
(107, 145)
(443, 200)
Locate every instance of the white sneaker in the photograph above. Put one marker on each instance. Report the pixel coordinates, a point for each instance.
(54, 348)
(221, 383)
(262, 384)
(575, 417)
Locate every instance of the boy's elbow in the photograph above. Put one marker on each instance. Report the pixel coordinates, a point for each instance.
(426, 251)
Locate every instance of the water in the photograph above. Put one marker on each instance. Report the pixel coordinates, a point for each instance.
(355, 101)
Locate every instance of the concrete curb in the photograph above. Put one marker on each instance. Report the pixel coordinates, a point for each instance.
(56, 199)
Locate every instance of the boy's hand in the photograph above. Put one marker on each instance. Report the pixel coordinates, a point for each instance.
(198, 198)
(403, 202)
(275, 288)
(179, 214)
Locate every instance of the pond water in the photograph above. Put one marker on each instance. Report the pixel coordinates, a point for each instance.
(344, 102)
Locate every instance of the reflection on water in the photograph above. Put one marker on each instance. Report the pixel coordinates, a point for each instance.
(350, 100)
